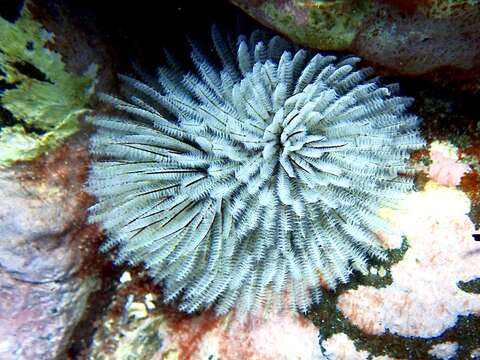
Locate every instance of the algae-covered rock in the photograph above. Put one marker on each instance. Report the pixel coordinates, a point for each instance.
(438, 37)
(133, 327)
(40, 101)
(329, 25)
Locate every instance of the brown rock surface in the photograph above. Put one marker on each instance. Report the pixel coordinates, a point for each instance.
(43, 292)
(439, 39)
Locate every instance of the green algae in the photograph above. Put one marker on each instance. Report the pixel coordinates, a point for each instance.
(40, 101)
(334, 25)
(327, 25)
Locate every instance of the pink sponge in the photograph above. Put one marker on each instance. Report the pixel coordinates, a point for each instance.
(445, 168)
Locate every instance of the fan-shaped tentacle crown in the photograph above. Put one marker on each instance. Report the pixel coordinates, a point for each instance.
(249, 183)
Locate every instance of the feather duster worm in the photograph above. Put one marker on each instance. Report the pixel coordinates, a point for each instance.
(243, 185)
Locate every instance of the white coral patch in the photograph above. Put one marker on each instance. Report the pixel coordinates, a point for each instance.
(424, 299)
(340, 346)
(444, 351)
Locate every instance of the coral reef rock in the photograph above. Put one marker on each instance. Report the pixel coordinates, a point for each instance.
(43, 294)
(405, 37)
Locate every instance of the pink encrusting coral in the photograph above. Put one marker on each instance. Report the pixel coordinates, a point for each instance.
(340, 347)
(424, 298)
(282, 336)
(445, 168)
(279, 336)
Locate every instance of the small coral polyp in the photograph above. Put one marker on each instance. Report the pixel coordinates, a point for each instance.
(247, 185)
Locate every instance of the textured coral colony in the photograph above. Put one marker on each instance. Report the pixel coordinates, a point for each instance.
(254, 180)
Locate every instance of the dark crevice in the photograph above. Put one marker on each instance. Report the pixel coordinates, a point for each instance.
(10, 9)
(139, 34)
(472, 286)
(30, 45)
(31, 71)
(7, 119)
(86, 328)
(5, 85)
(30, 129)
